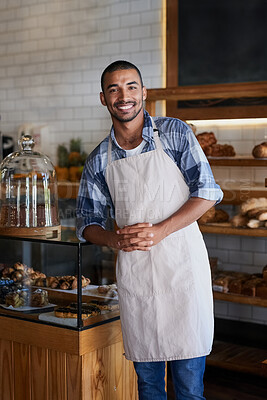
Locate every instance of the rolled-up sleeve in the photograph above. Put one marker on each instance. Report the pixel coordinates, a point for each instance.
(93, 202)
(197, 172)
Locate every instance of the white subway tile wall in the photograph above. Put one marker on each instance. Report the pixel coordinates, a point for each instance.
(52, 54)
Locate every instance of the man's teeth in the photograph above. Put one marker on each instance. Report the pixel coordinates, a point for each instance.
(125, 107)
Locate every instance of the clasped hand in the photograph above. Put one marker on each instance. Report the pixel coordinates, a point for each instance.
(140, 236)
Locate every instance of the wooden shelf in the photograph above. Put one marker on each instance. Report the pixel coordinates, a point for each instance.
(241, 299)
(237, 195)
(227, 229)
(239, 161)
(235, 357)
(68, 190)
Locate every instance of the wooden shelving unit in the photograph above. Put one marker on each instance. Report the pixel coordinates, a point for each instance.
(238, 161)
(227, 229)
(238, 358)
(241, 299)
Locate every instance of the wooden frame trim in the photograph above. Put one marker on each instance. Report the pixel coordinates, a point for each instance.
(220, 91)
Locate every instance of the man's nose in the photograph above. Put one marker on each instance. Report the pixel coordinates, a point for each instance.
(123, 94)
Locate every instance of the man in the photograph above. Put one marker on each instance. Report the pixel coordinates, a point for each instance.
(153, 178)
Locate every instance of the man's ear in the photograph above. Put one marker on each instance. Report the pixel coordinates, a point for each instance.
(102, 99)
(144, 93)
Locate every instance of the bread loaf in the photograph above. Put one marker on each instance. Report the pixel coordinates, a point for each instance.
(239, 221)
(208, 216)
(260, 151)
(252, 203)
(255, 223)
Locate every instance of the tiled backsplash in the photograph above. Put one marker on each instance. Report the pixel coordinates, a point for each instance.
(52, 54)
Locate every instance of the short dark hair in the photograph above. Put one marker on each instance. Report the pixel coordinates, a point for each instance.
(119, 65)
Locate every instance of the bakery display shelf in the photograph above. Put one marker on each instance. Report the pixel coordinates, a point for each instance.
(239, 298)
(235, 357)
(225, 228)
(236, 196)
(238, 161)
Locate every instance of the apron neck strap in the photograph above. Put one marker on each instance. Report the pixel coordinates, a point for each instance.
(109, 150)
(158, 144)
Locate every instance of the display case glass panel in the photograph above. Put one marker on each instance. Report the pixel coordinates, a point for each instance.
(62, 281)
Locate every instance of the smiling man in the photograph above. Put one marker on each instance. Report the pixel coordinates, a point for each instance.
(152, 177)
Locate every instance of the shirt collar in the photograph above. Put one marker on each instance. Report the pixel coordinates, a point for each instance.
(147, 133)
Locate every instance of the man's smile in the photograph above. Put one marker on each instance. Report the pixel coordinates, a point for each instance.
(125, 106)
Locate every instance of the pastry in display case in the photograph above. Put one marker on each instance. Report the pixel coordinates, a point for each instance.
(28, 193)
(59, 281)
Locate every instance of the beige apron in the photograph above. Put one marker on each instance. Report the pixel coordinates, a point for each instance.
(165, 294)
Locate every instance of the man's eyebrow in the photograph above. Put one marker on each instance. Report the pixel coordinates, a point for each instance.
(132, 83)
(112, 85)
(115, 84)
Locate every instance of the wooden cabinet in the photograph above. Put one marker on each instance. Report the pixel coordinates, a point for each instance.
(40, 362)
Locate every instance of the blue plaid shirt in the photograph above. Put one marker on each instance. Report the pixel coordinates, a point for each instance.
(94, 203)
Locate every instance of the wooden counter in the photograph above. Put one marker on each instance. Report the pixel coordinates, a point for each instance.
(43, 362)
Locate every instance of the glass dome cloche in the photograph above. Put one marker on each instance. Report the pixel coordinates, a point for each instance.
(28, 193)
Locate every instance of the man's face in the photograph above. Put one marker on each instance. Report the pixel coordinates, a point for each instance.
(123, 94)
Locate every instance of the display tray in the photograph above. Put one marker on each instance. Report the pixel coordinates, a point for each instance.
(29, 309)
(72, 322)
(90, 290)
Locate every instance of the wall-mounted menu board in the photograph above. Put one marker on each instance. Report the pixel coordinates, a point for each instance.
(222, 41)
(214, 43)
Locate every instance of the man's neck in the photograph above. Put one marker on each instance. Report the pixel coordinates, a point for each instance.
(129, 134)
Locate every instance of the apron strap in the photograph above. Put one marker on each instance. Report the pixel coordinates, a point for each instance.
(158, 144)
(109, 150)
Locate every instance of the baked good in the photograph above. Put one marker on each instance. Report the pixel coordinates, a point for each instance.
(253, 202)
(108, 290)
(17, 298)
(39, 298)
(262, 215)
(255, 223)
(256, 211)
(206, 139)
(239, 221)
(261, 289)
(208, 216)
(111, 305)
(221, 282)
(65, 282)
(71, 311)
(249, 287)
(220, 150)
(7, 271)
(221, 216)
(260, 151)
(19, 266)
(235, 286)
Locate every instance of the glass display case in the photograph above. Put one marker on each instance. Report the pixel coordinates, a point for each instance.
(28, 193)
(61, 282)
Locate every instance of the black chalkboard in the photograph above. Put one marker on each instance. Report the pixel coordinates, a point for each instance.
(222, 41)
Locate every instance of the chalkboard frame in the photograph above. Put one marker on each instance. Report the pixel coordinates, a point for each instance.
(251, 108)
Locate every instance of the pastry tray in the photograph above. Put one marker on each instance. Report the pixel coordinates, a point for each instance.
(89, 290)
(29, 309)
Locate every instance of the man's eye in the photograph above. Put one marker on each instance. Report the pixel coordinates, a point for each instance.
(132, 87)
(113, 90)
